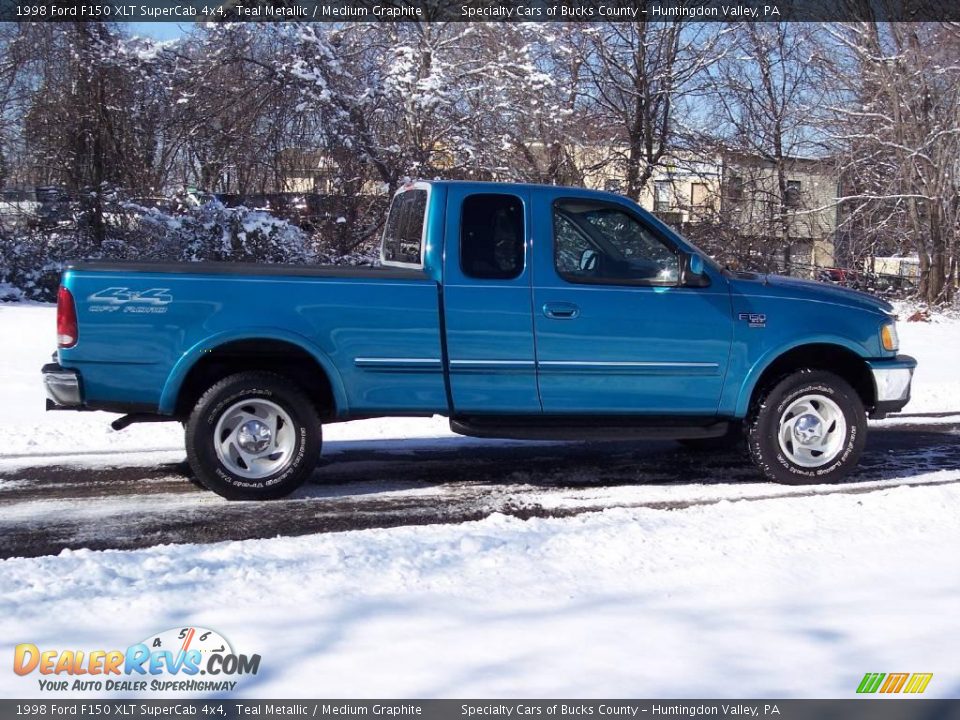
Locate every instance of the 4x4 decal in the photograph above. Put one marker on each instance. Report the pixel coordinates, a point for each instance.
(112, 299)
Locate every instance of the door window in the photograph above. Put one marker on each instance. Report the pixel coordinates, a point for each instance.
(596, 242)
(492, 237)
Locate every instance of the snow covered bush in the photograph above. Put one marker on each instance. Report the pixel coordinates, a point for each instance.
(213, 231)
(364, 255)
(31, 259)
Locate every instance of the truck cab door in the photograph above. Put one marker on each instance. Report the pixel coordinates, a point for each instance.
(487, 302)
(616, 332)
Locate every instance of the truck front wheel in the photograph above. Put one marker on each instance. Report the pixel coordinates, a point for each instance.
(253, 436)
(809, 428)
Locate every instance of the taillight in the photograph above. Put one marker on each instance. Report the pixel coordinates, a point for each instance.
(67, 334)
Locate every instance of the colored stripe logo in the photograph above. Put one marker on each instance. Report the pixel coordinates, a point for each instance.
(888, 683)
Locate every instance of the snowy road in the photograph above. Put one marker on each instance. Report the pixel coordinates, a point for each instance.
(128, 500)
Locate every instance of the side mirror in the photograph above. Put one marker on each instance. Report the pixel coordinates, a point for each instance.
(588, 259)
(692, 271)
(696, 265)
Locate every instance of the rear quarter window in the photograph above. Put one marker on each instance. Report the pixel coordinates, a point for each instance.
(492, 237)
(403, 235)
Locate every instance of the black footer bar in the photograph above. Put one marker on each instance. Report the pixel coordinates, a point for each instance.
(894, 708)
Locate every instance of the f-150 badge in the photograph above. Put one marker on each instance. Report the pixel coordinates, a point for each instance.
(756, 320)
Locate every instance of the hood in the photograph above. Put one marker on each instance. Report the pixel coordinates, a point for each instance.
(784, 286)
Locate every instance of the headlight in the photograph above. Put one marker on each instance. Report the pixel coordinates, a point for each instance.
(888, 337)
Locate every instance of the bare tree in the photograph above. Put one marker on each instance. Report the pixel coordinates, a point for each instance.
(766, 91)
(897, 119)
(638, 76)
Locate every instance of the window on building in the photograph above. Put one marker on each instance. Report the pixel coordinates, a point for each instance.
(492, 237)
(701, 201)
(662, 196)
(699, 195)
(792, 198)
(734, 187)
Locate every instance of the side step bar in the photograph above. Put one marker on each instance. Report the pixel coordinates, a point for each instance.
(588, 428)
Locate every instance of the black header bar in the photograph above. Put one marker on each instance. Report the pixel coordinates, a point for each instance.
(481, 10)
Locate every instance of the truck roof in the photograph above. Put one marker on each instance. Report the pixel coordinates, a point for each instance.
(489, 186)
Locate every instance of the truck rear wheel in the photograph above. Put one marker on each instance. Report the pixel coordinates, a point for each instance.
(253, 436)
(809, 428)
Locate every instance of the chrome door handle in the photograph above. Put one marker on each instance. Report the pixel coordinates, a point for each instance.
(561, 310)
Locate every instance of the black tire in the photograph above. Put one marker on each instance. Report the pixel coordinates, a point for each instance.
(228, 393)
(731, 440)
(763, 426)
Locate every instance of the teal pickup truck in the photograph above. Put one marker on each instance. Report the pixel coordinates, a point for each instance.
(518, 311)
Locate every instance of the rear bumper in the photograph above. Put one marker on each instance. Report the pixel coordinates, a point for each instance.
(63, 386)
(892, 379)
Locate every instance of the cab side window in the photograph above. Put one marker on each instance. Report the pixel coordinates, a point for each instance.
(492, 237)
(600, 243)
(403, 235)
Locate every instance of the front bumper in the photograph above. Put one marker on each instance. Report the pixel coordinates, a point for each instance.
(891, 382)
(63, 387)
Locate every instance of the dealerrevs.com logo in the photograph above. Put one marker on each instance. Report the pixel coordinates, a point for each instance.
(190, 659)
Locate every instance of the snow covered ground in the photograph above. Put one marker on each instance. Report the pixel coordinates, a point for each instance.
(793, 596)
(936, 385)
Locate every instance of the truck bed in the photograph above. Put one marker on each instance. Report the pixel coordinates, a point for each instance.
(143, 326)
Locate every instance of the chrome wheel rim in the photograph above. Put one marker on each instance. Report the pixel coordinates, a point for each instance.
(812, 431)
(255, 439)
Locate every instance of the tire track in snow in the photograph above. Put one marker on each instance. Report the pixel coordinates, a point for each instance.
(46, 508)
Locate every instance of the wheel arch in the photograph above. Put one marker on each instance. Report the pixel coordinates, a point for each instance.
(254, 349)
(833, 356)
